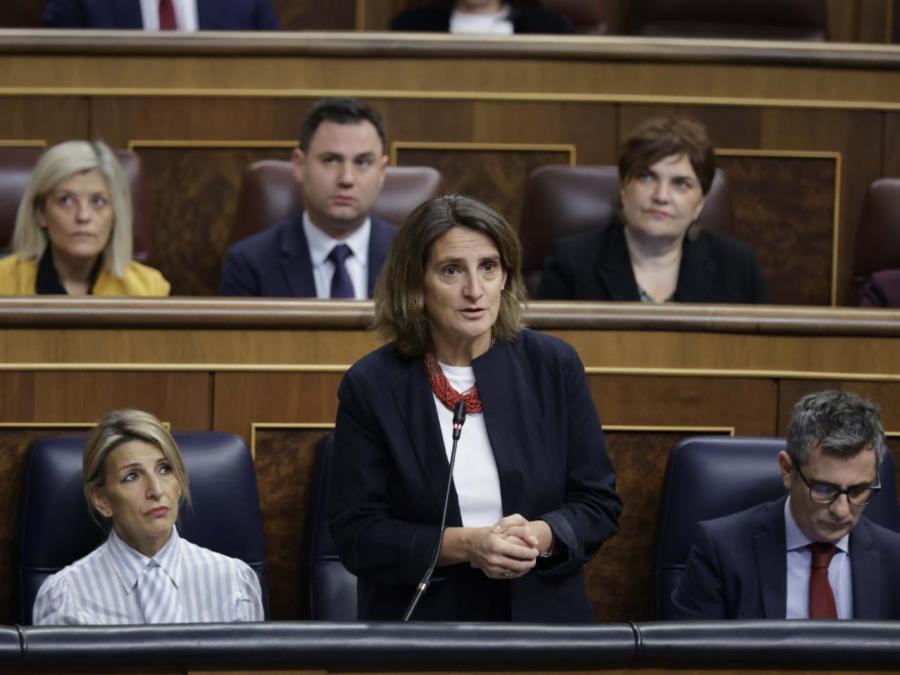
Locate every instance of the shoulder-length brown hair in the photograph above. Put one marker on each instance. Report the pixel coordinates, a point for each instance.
(662, 137)
(399, 296)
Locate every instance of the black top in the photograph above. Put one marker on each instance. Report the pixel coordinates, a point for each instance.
(595, 265)
(436, 18)
(47, 281)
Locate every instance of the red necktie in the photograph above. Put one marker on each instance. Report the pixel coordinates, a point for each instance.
(167, 15)
(821, 597)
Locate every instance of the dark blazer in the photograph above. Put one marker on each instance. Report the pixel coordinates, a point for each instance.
(125, 14)
(276, 262)
(436, 18)
(882, 289)
(737, 568)
(390, 471)
(595, 265)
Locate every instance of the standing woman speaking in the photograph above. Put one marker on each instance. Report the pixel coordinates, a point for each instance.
(533, 493)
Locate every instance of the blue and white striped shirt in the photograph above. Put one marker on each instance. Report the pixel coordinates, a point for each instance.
(100, 589)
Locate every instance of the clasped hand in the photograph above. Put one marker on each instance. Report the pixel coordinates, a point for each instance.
(511, 547)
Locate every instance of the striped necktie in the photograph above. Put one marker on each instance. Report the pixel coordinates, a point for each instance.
(158, 596)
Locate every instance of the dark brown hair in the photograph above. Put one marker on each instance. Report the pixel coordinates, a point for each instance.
(399, 297)
(663, 137)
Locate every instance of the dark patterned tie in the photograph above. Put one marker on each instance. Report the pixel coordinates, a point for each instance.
(821, 597)
(341, 285)
(167, 15)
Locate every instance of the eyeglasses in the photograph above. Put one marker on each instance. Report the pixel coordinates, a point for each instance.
(826, 493)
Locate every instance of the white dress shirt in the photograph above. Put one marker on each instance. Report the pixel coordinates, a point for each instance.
(799, 560)
(496, 23)
(185, 14)
(357, 265)
(475, 471)
(101, 587)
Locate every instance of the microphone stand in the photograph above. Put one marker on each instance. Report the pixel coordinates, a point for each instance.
(459, 418)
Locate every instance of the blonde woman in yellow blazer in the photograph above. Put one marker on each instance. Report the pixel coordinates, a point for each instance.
(73, 231)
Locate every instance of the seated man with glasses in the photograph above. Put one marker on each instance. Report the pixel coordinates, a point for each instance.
(810, 554)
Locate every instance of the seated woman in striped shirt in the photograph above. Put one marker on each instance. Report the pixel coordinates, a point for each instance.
(135, 481)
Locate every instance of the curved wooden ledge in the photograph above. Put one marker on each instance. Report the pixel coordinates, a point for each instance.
(270, 313)
(352, 44)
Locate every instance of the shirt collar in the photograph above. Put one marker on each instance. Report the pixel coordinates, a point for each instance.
(794, 537)
(129, 563)
(320, 244)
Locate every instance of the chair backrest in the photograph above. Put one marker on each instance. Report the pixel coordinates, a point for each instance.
(269, 194)
(56, 528)
(332, 588)
(767, 19)
(588, 16)
(713, 476)
(562, 200)
(878, 232)
(16, 164)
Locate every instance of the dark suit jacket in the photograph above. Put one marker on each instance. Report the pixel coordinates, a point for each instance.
(882, 289)
(390, 471)
(125, 14)
(595, 265)
(436, 19)
(276, 262)
(737, 568)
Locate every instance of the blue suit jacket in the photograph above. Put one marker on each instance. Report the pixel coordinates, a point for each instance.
(390, 471)
(737, 568)
(125, 14)
(276, 262)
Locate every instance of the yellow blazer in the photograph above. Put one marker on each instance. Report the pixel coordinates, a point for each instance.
(18, 277)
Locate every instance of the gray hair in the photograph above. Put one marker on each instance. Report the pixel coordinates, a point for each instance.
(842, 423)
(60, 163)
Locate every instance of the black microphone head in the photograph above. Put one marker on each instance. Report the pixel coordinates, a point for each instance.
(459, 414)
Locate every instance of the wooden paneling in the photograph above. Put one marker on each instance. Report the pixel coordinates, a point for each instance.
(620, 578)
(21, 13)
(792, 230)
(52, 119)
(285, 463)
(495, 176)
(194, 221)
(183, 399)
(311, 15)
(892, 140)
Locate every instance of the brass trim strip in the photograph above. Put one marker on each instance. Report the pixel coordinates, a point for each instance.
(264, 368)
(24, 143)
(47, 425)
(360, 19)
(836, 215)
(731, 431)
(223, 144)
(569, 148)
(533, 97)
(310, 426)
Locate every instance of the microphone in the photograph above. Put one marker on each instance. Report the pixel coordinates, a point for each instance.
(459, 418)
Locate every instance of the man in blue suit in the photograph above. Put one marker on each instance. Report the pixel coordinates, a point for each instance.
(144, 14)
(333, 248)
(811, 554)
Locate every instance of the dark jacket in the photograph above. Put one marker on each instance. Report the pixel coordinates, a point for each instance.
(882, 289)
(126, 14)
(276, 262)
(436, 18)
(390, 470)
(737, 568)
(595, 265)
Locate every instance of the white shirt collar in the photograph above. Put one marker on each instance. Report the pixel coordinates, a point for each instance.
(129, 563)
(320, 244)
(794, 537)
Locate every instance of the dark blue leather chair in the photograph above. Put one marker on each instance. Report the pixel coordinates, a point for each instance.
(332, 588)
(709, 477)
(56, 527)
